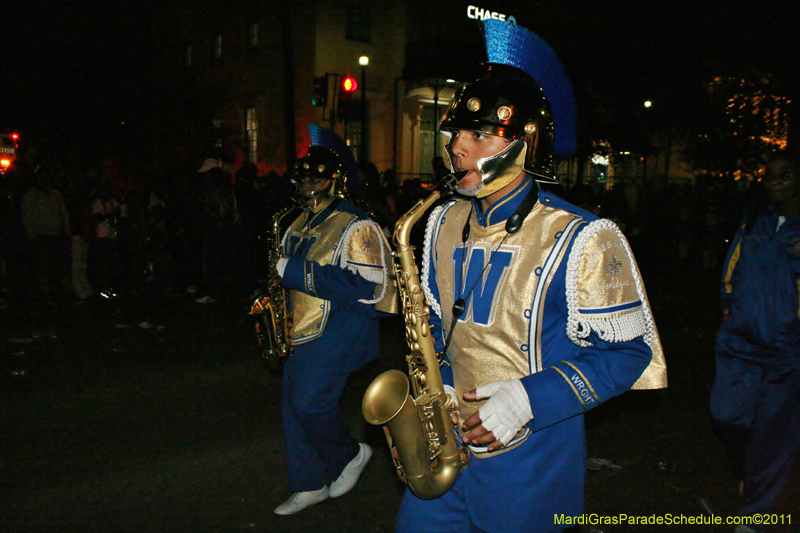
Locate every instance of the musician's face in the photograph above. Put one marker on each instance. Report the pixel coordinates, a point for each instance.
(311, 190)
(466, 147)
(782, 182)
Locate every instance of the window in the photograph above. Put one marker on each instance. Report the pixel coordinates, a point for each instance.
(358, 26)
(251, 124)
(187, 58)
(252, 36)
(431, 141)
(216, 46)
(427, 140)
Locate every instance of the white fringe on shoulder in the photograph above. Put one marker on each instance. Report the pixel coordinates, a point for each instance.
(628, 326)
(370, 275)
(430, 229)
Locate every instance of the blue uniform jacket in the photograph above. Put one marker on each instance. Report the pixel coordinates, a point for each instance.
(611, 367)
(351, 337)
(761, 292)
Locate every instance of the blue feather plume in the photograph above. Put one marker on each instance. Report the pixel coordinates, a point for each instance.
(509, 44)
(329, 139)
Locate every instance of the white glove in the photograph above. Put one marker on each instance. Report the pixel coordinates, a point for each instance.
(280, 266)
(506, 411)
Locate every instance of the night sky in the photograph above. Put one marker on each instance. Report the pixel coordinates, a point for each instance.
(77, 69)
(72, 70)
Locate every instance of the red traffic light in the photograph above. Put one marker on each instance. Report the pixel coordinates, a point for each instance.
(15, 136)
(349, 84)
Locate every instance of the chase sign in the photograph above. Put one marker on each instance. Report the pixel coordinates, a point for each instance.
(475, 12)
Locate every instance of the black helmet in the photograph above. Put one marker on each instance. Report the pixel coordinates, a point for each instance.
(323, 164)
(525, 95)
(508, 103)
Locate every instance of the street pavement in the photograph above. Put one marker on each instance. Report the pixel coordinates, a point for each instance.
(108, 427)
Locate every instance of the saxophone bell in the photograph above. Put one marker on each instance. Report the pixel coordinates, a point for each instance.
(266, 309)
(423, 457)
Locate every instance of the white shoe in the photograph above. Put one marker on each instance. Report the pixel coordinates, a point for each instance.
(206, 300)
(301, 500)
(349, 476)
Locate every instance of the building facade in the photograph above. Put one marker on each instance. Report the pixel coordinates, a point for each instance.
(244, 72)
(249, 76)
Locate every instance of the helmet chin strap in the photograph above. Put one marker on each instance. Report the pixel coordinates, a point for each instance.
(321, 200)
(471, 191)
(496, 171)
(502, 168)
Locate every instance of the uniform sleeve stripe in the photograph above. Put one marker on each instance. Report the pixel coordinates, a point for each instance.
(576, 369)
(610, 308)
(365, 265)
(309, 278)
(563, 375)
(731, 265)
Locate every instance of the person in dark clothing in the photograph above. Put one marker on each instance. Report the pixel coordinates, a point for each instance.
(46, 222)
(15, 182)
(223, 230)
(755, 399)
(255, 224)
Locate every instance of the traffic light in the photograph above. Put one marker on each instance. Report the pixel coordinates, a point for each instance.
(320, 97)
(349, 84)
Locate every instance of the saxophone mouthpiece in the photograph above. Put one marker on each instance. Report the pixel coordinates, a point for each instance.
(450, 181)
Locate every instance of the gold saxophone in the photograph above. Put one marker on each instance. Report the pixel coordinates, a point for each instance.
(273, 318)
(418, 427)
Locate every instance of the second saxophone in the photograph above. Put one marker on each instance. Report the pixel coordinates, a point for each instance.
(273, 318)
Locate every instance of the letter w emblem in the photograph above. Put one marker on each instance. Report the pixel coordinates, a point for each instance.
(299, 244)
(476, 283)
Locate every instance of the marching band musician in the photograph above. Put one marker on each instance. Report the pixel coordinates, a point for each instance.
(538, 305)
(337, 267)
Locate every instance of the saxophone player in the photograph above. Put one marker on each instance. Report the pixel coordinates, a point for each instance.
(336, 268)
(538, 305)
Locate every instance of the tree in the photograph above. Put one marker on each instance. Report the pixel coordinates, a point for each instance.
(746, 117)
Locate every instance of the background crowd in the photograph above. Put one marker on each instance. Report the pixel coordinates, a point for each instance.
(121, 230)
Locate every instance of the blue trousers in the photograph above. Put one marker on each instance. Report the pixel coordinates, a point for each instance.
(445, 514)
(519, 491)
(318, 444)
(756, 408)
